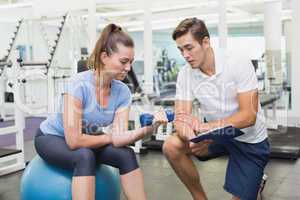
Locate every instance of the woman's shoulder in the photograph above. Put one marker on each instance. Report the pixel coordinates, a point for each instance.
(120, 84)
(121, 88)
(81, 78)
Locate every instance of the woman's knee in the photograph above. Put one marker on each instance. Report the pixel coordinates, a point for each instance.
(84, 162)
(173, 146)
(85, 155)
(127, 160)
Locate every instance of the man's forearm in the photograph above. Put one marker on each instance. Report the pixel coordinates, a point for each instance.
(239, 120)
(186, 124)
(184, 131)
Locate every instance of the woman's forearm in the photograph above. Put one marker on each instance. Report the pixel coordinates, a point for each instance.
(88, 141)
(128, 137)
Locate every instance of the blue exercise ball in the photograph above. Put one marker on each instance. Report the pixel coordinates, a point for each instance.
(42, 181)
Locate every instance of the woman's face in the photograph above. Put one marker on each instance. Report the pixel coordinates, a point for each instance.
(118, 64)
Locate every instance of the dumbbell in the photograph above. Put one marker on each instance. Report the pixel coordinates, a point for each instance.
(146, 119)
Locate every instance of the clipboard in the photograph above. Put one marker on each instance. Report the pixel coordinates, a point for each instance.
(220, 135)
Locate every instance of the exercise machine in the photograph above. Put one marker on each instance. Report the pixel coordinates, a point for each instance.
(12, 160)
(44, 73)
(6, 98)
(284, 141)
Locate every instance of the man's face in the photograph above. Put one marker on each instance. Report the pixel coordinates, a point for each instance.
(192, 51)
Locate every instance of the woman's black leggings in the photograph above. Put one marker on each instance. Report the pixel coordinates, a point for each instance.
(83, 161)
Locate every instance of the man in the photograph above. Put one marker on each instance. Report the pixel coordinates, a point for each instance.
(227, 92)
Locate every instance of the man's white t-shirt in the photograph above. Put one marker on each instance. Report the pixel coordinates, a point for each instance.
(217, 94)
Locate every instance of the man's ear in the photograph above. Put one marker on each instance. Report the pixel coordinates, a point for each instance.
(206, 42)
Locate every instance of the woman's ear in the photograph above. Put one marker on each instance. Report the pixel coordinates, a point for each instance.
(104, 57)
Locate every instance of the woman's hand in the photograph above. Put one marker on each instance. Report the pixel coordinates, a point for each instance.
(160, 117)
(109, 137)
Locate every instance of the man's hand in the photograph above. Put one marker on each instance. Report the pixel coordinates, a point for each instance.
(200, 127)
(196, 125)
(189, 125)
(184, 131)
(200, 148)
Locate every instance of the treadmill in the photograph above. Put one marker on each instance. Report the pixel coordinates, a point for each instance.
(284, 141)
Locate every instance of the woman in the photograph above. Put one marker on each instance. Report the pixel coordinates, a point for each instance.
(76, 138)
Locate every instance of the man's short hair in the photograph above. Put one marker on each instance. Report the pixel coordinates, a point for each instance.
(195, 26)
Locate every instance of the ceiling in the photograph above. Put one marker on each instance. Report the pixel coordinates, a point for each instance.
(166, 14)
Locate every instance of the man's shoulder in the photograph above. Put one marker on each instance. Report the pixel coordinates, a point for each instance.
(185, 70)
(237, 62)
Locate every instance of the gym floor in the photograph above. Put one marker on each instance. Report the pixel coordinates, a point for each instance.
(161, 182)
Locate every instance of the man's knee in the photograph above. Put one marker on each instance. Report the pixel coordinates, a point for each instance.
(173, 147)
